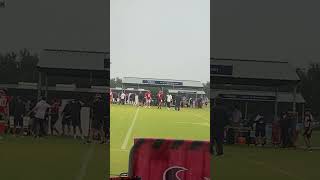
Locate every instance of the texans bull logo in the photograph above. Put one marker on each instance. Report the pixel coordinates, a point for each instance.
(172, 173)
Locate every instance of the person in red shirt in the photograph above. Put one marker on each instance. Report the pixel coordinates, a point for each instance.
(148, 97)
(54, 115)
(160, 98)
(4, 103)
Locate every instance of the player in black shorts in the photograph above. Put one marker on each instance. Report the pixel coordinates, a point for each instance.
(97, 119)
(260, 130)
(141, 98)
(76, 106)
(19, 111)
(308, 129)
(66, 120)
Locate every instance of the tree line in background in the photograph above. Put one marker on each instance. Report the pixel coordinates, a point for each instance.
(310, 86)
(21, 66)
(18, 66)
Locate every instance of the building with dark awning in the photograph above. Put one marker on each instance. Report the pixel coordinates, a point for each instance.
(85, 71)
(269, 86)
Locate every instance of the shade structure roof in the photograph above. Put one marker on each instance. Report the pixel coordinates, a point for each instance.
(284, 97)
(252, 72)
(74, 62)
(162, 82)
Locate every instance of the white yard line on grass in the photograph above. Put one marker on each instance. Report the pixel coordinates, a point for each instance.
(201, 124)
(119, 150)
(85, 162)
(126, 140)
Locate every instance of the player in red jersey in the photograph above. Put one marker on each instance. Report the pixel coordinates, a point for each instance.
(160, 98)
(4, 103)
(148, 97)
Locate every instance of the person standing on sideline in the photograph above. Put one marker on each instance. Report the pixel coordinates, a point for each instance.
(111, 96)
(76, 106)
(19, 111)
(236, 116)
(260, 129)
(284, 126)
(97, 119)
(54, 116)
(141, 98)
(178, 101)
(148, 97)
(123, 98)
(219, 119)
(66, 118)
(40, 113)
(136, 99)
(308, 119)
(160, 98)
(169, 99)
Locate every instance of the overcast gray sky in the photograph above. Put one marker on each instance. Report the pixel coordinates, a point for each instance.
(62, 24)
(273, 29)
(160, 39)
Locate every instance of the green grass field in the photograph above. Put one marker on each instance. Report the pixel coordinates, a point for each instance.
(242, 162)
(239, 162)
(128, 122)
(24, 158)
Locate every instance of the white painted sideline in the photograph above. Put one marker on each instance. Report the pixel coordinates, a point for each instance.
(128, 135)
(201, 124)
(85, 162)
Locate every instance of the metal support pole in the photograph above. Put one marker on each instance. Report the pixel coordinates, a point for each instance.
(39, 85)
(303, 109)
(294, 98)
(46, 84)
(246, 111)
(91, 79)
(276, 104)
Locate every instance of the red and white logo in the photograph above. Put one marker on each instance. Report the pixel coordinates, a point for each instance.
(172, 173)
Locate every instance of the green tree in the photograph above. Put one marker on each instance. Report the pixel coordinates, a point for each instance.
(310, 86)
(206, 87)
(115, 82)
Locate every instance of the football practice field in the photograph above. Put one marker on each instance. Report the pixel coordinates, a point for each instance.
(52, 158)
(128, 122)
(242, 162)
(239, 161)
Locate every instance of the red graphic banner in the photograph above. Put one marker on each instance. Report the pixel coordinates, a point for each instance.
(160, 159)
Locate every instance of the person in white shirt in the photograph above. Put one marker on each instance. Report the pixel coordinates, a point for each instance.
(136, 100)
(169, 99)
(236, 116)
(122, 97)
(40, 114)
